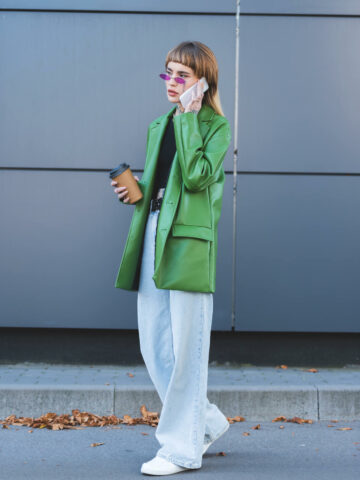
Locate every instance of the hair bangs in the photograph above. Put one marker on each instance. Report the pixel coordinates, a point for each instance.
(182, 54)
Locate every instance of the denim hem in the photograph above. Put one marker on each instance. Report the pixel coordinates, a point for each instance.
(180, 461)
(215, 437)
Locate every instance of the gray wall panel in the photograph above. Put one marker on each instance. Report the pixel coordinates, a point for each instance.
(299, 94)
(298, 259)
(223, 291)
(60, 249)
(307, 7)
(202, 6)
(83, 91)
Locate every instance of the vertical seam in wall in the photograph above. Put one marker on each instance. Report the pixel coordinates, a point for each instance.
(235, 160)
(318, 402)
(113, 409)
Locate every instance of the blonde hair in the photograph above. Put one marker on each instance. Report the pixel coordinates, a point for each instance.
(203, 62)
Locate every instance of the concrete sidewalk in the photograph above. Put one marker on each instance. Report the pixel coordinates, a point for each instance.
(256, 393)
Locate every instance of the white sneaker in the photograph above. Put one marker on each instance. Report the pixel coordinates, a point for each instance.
(207, 445)
(161, 466)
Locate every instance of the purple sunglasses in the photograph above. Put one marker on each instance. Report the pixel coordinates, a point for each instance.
(165, 76)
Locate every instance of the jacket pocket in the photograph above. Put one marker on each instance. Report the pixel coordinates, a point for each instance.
(194, 209)
(196, 231)
(185, 264)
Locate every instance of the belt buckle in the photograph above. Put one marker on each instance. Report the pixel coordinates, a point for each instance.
(156, 202)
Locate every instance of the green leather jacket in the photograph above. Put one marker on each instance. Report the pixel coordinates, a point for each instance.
(186, 237)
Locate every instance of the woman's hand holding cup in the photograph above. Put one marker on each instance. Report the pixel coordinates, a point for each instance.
(122, 192)
(127, 184)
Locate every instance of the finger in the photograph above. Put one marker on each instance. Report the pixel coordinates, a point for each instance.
(123, 193)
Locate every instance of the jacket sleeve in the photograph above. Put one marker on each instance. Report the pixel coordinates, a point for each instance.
(200, 163)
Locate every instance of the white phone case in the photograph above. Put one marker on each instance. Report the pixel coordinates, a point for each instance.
(186, 97)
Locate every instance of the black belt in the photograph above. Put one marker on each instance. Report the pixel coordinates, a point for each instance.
(155, 204)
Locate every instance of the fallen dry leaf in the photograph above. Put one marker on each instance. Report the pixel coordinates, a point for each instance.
(129, 420)
(293, 420)
(96, 444)
(246, 434)
(279, 419)
(130, 374)
(235, 419)
(257, 427)
(221, 454)
(313, 370)
(148, 415)
(299, 420)
(344, 428)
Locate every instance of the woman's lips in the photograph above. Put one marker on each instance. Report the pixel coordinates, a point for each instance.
(171, 92)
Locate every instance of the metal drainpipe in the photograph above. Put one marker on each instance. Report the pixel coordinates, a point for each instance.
(236, 103)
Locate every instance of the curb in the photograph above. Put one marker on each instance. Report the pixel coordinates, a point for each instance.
(254, 402)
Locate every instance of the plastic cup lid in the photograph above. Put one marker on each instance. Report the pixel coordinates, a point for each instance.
(118, 170)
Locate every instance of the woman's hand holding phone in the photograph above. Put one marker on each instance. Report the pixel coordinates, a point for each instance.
(122, 191)
(197, 96)
(194, 104)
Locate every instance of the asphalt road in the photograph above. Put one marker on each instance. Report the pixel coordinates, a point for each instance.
(297, 451)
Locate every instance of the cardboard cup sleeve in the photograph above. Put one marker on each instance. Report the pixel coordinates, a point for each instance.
(124, 178)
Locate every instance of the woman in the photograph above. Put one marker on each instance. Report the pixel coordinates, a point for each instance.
(170, 257)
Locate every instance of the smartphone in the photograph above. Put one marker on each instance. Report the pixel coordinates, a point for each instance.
(186, 97)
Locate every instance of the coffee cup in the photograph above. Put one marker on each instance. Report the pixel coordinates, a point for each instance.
(124, 178)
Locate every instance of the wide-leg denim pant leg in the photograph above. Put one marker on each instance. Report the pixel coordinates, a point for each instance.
(174, 333)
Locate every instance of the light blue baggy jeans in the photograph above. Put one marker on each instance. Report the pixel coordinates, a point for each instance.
(174, 334)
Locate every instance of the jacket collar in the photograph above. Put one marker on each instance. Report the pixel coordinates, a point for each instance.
(205, 115)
